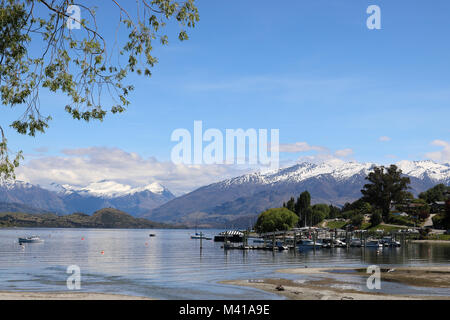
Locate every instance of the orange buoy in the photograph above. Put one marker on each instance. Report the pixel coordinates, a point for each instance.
(102, 252)
(82, 238)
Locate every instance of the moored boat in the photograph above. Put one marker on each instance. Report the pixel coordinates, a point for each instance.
(32, 239)
(355, 243)
(309, 244)
(373, 244)
(200, 237)
(232, 236)
(390, 242)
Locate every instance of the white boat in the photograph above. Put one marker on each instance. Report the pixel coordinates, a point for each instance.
(309, 244)
(389, 242)
(203, 237)
(258, 240)
(355, 243)
(373, 244)
(339, 243)
(32, 239)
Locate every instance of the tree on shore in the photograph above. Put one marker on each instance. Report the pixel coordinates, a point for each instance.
(302, 205)
(76, 64)
(357, 220)
(290, 205)
(276, 219)
(435, 194)
(386, 186)
(375, 218)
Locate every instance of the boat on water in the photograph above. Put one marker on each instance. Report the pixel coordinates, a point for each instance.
(309, 244)
(373, 244)
(389, 242)
(258, 241)
(32, 239)
(355, 243)
(232, 236)
(201, 237)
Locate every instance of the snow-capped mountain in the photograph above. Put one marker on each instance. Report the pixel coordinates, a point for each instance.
(107, 189)
(334, 182)
(64, 199)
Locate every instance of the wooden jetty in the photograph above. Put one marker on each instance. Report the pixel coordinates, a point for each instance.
(318, 237)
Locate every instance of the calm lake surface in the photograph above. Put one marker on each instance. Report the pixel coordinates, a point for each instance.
(171, 266)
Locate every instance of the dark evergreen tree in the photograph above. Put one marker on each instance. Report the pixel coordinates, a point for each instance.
(290, 205)
(386, 186)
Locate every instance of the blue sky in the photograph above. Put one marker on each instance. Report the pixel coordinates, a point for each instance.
(311, 69)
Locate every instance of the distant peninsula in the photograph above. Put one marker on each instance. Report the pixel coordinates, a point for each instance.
(104, 218)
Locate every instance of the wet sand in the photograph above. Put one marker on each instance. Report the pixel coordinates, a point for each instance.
(333, 289)
(14, 295)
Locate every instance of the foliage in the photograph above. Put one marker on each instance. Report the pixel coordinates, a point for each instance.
(302, 206)
(435, 194)
(357, 220)
(105, 218)
(403, 221)
(386, 185)
(290, 205)
(76, 63)
(348, 214)
(276, 219)
(336, 224)
(334, 212)
(376, 218)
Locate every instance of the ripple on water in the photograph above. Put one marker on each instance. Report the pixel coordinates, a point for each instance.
(170, 266)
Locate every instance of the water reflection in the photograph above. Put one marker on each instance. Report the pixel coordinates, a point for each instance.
(170, 265)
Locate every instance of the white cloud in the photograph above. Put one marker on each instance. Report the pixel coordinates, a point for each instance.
(441, 156)
(384, 139)
(322, 153)
(344, 153)
(81, 167)
(300, 147)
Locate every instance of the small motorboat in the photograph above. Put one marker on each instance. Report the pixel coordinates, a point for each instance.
(390, 242)
(152, 235)
(355, 243)
(200, 237)
(32, 239)
(258, 240)
(374, 244)
(309, 244)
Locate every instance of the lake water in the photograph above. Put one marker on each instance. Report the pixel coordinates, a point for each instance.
(171, 265)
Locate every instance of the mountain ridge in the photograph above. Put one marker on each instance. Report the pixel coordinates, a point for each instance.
(334, 182)
(67, 199)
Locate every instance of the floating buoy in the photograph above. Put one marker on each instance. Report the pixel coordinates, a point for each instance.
(82, 238)
(102, 252)
(146, 244)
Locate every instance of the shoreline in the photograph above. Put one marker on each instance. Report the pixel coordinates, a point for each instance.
(328, 288)
(430, 241)
(27, 295)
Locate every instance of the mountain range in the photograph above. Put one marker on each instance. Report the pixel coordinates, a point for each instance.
(65, 199)
(234, 202)
(238, 201)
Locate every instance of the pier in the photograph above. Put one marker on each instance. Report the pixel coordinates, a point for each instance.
(317, 238)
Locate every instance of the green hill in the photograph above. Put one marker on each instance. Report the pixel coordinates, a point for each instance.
(104, 218)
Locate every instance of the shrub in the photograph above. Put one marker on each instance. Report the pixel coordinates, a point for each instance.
(277, 219)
